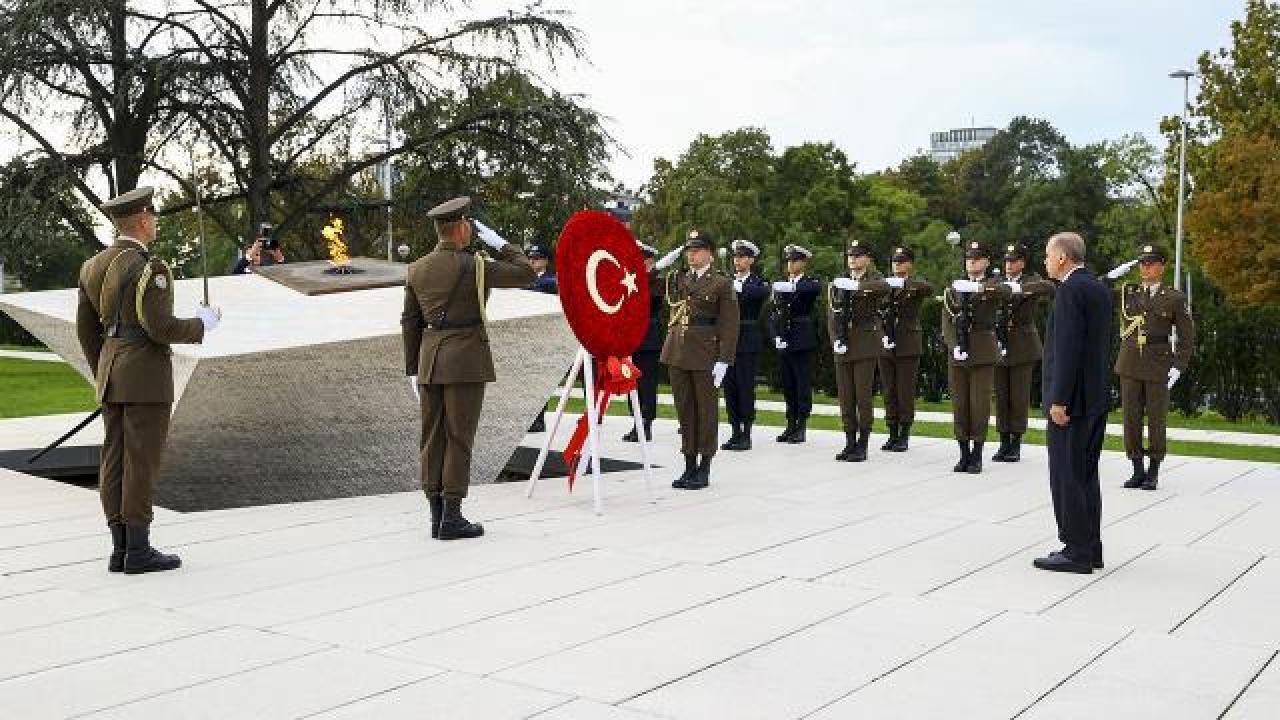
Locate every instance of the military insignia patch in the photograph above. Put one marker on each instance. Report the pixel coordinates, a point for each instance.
(161, 282)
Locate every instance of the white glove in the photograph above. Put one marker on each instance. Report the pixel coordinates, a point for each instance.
(780, 343)
(717, 372)
(1016, 287)
(887, 343)
(489, 237)
(737, 286)
(966, 286)
(958, 354)
(1119, 270)
(1174, 374)
(784, 286)
(669, 259)
(844, 283)
(839, 347)
(896, 282)
(211, 317)
(413, 383)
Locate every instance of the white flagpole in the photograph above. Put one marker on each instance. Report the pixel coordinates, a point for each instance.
(569, 382)
(644, 440)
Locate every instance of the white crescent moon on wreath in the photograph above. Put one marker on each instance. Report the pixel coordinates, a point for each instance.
(593, 288)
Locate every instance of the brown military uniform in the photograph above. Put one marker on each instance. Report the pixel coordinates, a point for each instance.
(1146, 324)
(854, 319)
(703, 330)
(447, 346)
(900, 365)
(1022, 348)
(971, 379)
(125, 323)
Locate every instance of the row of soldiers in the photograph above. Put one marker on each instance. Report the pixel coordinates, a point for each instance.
(874, 325)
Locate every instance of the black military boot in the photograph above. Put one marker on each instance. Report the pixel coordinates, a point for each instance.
(539, 424)
(893, 438)
(436, 503)
(732, 442)
(791, 428)
(701, 476)
(453, 526)
(690, 467)
(744, 442)
(632, 435)
(904, 437)
(648, 430)
(860, 447)
(963, 465)
(1139, 476)
(850, 443)
(975, 459)
(118, 545)
(1153, 475)
(1014, 453)
(797, 436)
(140, 557)
(1001, 451)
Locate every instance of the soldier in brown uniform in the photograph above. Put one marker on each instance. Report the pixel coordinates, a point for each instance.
(853, 323)
(1148, 364)
(702, 338)
(903, 346)
(447, 355)
(969, 309)
(125, 324)
(1020, 350)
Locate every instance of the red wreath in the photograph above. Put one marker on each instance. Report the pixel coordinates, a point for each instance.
(594, 243)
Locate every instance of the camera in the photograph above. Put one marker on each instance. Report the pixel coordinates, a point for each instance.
(269, 241)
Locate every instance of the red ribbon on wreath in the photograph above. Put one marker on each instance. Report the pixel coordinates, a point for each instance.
(614, 377)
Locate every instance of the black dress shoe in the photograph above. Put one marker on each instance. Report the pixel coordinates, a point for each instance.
(1057, 562)
(632, 436)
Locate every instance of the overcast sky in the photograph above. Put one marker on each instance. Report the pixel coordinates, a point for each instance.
(873, 76)
(877, 76)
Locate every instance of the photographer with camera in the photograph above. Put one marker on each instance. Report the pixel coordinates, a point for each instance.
(265, 250)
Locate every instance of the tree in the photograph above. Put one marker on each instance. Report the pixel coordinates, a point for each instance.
(1234, 217)
(35, 244)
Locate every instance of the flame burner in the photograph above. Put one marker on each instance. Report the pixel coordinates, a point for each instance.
(347, 269)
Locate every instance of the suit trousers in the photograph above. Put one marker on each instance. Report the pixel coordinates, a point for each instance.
(899, 375)
(854, 382)
(647, 385)
(970, 400)
(133, 441)
(1013, 397)
(1149, 398)
(450, 416)
(740, 389)
(697, 409)
(797, 383)
(1073, 482)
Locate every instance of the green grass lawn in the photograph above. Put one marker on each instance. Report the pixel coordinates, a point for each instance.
(33, 387)
(766, 419)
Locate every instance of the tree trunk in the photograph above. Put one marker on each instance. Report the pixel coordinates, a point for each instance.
(258, 110)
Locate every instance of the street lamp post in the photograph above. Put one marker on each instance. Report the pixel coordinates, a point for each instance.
(1185, 76)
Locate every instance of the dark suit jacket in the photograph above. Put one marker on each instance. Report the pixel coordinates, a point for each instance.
(1075, 370)
(799, 331)
(755, 292)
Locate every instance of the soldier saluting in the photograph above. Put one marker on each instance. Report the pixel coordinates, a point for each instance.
(701, 342)
(125, 324)
(856, 340)
(903, 346)
(1148, 364)
(796, 339)
(447, 356)
(969, 309)
(1020, 351)
(740, 383)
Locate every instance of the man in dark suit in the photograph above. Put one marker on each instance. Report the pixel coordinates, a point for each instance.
(1074, 378)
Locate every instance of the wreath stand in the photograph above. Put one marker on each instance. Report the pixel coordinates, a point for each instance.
(583, 363)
